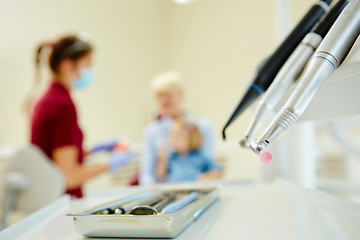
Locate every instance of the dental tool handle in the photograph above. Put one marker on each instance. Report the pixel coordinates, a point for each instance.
(153, 198)
(284, 79)
(329, 55)
(290, 72)
(179, 204)
(266, 74)
(324, 26)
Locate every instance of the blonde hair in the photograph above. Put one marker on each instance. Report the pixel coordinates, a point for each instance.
(195, 137)
(167, 82)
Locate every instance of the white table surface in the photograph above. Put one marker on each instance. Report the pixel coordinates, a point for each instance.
(245, 211)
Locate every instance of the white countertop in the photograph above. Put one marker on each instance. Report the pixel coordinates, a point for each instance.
(245, 211)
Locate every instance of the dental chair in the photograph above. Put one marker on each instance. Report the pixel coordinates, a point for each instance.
(30, 182)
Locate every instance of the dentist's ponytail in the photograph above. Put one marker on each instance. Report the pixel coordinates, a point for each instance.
(69, 47)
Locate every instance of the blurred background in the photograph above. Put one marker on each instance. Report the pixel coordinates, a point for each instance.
(215, 45)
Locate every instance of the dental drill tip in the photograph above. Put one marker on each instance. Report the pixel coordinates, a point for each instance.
(224, 133)
(250, 96)
(265, 156)
(255, 147)
(245, 143)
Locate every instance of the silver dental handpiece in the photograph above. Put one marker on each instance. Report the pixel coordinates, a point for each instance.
(290, 72)
(329, 55)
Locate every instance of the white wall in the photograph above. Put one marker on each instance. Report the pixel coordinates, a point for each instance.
(128, 37)
(217, 45)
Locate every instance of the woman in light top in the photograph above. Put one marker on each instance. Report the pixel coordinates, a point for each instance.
(169, 95)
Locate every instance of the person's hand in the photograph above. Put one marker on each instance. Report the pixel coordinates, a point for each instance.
(210, 175)
(120, 159)
(105, 146)
(163, 154)
(161, 165)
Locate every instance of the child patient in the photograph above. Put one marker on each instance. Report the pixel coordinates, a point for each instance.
(185, 162)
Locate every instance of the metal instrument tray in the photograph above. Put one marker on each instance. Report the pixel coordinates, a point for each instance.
(91, 224)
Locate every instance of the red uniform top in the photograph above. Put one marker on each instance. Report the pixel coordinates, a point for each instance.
(54, 124)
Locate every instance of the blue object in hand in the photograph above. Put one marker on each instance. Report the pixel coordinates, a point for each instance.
(105, 146)
(120, 159)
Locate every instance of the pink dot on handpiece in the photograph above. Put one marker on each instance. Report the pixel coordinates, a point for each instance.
(265, 156)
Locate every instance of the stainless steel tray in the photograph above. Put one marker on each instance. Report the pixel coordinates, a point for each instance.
(90, 224)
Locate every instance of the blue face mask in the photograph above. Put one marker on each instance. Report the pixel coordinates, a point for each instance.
(85, 80)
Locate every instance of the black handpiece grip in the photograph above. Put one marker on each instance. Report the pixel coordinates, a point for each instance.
(269, 70)
(327, 2)
(323, 28)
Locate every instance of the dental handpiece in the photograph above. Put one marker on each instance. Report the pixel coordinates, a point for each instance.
(329, 55)
(266, 74)
(290, 72)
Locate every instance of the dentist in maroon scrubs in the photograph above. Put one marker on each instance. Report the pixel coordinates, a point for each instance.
(54, 123)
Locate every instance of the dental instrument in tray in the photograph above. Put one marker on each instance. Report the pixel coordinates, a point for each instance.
(157, 213)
